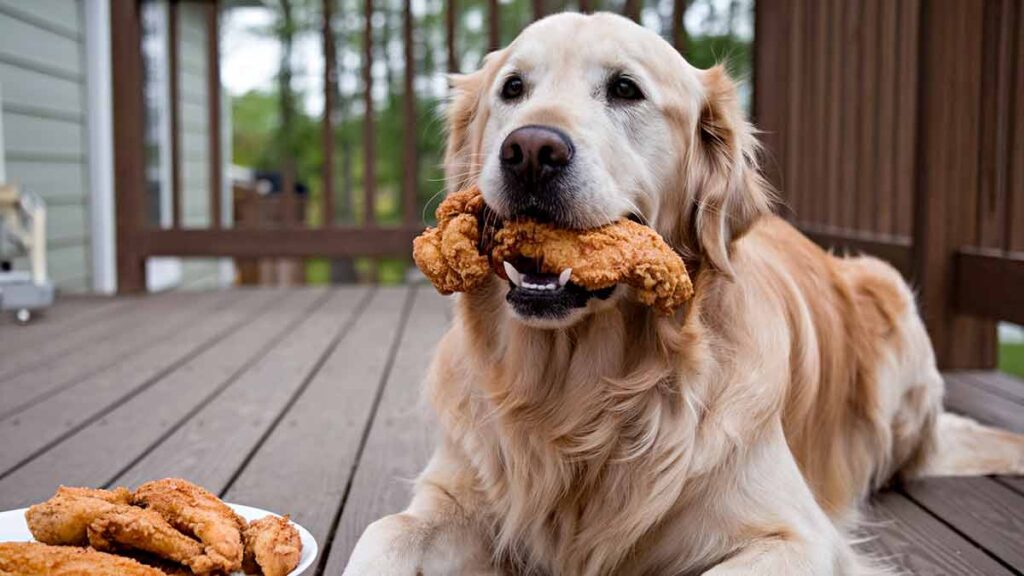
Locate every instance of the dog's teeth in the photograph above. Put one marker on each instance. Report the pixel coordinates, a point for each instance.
(563, 278)
(513, 274)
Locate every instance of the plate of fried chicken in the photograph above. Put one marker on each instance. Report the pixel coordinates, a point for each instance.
(168, 526)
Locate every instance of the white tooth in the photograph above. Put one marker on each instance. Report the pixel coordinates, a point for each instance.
(513, 274)
(563, 278)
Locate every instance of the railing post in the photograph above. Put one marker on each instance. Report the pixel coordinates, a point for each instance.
(411, 163)
(679, 25)
(327, 124)
(369, 142)
(449, 33)
(632, 10)
(129, 143)
(213, 112)
(945, 198)
(494, 22)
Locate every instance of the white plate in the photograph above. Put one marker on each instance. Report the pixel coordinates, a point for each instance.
(14, 529)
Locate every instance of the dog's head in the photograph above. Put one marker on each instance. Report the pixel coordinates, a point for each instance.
(586, 119)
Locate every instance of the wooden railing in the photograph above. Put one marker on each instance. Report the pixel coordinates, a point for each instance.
(896, 128)
(138, 239)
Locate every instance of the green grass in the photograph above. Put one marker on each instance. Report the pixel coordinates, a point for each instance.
(1011, 358)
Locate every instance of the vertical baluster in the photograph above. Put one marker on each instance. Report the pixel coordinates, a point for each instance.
(213, 107)
(411, 172)
(327, 123)
(494, 29)
(369, 142)
(449, 31)
(678, 25)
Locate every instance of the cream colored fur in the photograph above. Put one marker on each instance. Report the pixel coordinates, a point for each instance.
(737, 437)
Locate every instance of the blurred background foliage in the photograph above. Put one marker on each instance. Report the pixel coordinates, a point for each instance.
(272, 62)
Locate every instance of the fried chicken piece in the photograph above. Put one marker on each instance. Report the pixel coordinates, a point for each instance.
(272, 546)
(621, 252)
(130, 527)
(449, 254)
(63, 519)
(36, 559)
(197, 512)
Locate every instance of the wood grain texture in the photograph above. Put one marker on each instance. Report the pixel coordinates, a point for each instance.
(888, 89)
(56, 416)
(867, 192)
(91, 350)
(906, 115)
(1015, 208)
(99, 453)
(304, 465)
(983, 510)
(209, 448)
(401, 440)
(999, 383)
(965, 397)
(903, 535)
(65, 317)
(851, 123)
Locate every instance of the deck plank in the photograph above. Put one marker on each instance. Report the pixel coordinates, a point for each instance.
(984, 510)
(64, 317)
(99, 453)
(32, 429)
(907, 537)
(966, 394)
(988, 511)
(304, 465)
(1000, 384)
(212, 445)
(141, 330)
(126, 314)
(401, 439)
(965, 397)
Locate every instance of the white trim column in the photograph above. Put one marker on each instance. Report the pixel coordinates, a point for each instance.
(99, 100)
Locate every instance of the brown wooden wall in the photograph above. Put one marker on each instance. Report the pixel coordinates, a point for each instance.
(837, 98)
(896, 127)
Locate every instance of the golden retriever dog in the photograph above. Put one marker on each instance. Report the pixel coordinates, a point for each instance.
(583, 434)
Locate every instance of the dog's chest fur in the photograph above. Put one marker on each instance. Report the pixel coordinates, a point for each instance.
(579, 449)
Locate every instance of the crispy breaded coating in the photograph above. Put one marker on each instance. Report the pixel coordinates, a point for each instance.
(63, 519)
(621, 252)
(197, 512)
(36, 559)
(449, 254)
(130, 527)
(272, 547)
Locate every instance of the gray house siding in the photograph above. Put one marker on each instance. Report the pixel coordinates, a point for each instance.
(195, 139)
(43, 84)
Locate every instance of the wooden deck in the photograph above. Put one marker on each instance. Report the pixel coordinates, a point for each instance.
(307, 401)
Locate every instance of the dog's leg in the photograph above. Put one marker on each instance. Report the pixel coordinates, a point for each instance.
(967, 448)
(439, 534)
(795, 558)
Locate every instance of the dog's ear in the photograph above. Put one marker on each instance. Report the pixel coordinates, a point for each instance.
(460, 167)
(727, 192)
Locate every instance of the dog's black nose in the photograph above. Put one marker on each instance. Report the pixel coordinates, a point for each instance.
(535, 153)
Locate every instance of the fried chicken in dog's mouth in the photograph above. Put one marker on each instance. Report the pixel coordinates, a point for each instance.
(550, 271)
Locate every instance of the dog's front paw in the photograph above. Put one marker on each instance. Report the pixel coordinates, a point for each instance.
(388, 547)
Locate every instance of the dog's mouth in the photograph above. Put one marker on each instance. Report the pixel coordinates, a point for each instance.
(534, 294)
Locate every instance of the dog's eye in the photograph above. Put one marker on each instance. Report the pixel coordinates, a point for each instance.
(622, 88)
(512, 89)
